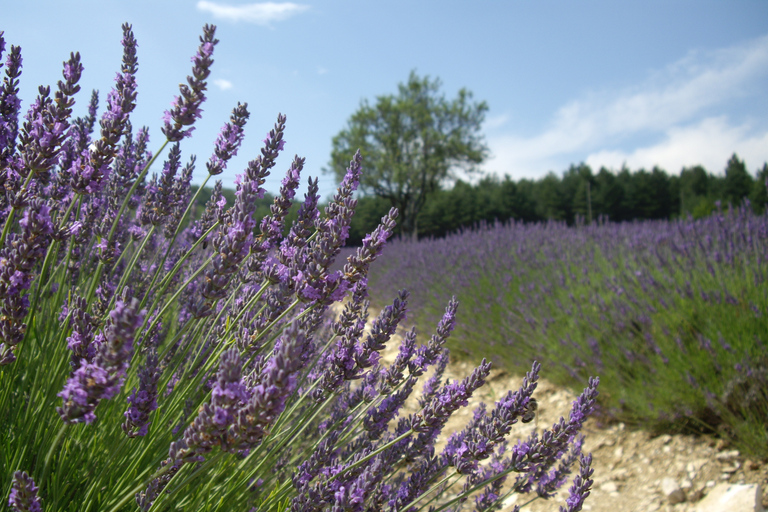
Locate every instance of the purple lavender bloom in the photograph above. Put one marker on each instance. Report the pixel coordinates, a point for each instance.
(23, 496)
(159, 197)
(487, 432)
(430, 388)
(10, 104)
(394, 374)
(179, 198)
(47, 122)
(80, 341)
(358, 264)
(229, 140)
(214, 209)
(186, 107)
(427, 355)
(267, 397)
(378, 418)
(384, 326)
(144, 399)
(551, 482)
(449, 399)
(232, 244)
(582, 484)
(272, 225)
(102, 379)
(210, 427)
(121, 101)
(18, 260)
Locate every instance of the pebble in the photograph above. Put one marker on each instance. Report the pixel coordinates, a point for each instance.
(671, 491)
(727, 456)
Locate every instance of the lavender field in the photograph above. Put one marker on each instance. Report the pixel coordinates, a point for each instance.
(670, 314)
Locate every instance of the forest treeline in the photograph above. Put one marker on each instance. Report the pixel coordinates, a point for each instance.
(579, 193)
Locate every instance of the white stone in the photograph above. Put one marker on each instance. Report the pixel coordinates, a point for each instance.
(510, 501)
(731, 498)
(609, 487)
(618, 452)
(671, 491)
(727, 456)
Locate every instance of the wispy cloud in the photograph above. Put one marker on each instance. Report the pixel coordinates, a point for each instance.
(496, 122)
(321, 70)
(222, 84)
(670, 105)
(708, 143)
(259, 13)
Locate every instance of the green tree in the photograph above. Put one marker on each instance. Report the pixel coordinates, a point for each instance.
(738, 183)
(411, 144)
(759, 196)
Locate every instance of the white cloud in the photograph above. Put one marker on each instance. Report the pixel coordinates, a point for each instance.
(259, 13)
(670, 104)
(709, 143)
(222, 84)
(321, 70)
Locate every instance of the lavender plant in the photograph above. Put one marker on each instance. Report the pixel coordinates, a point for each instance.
(671, 314)
(150, 360)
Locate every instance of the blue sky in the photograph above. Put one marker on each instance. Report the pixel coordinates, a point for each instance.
(668, 83)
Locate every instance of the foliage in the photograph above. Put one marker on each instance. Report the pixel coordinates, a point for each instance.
(218, 363)
(672, 314)
(581, 196)
(412, 143)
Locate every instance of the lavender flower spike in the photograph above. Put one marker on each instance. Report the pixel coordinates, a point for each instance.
(229, 140)
(23, 496)
(186, 106)
(210, 427)
(102, 379)
(144, 399)
(582, 484)
(9, 106)
(268, 396)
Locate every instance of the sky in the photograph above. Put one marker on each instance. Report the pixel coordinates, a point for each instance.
(636, 83)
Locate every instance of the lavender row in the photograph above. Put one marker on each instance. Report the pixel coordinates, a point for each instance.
(672, 314)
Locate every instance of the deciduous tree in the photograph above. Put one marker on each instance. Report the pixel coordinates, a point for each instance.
(412, 143)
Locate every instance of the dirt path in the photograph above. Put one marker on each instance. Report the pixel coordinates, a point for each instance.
(633, 471)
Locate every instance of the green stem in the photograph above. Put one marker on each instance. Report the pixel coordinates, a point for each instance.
(173, 239)
(49, 456)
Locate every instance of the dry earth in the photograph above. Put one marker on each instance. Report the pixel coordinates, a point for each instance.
(633, 470)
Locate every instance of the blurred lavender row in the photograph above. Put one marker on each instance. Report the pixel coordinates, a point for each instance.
(672, 314)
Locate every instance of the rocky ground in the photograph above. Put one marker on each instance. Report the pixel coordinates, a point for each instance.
(633, 470)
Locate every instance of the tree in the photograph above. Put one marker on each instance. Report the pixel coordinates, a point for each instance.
(759, 195)
(738, 182)
(411, 144)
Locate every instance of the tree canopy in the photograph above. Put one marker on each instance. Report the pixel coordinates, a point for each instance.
(411, 144)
